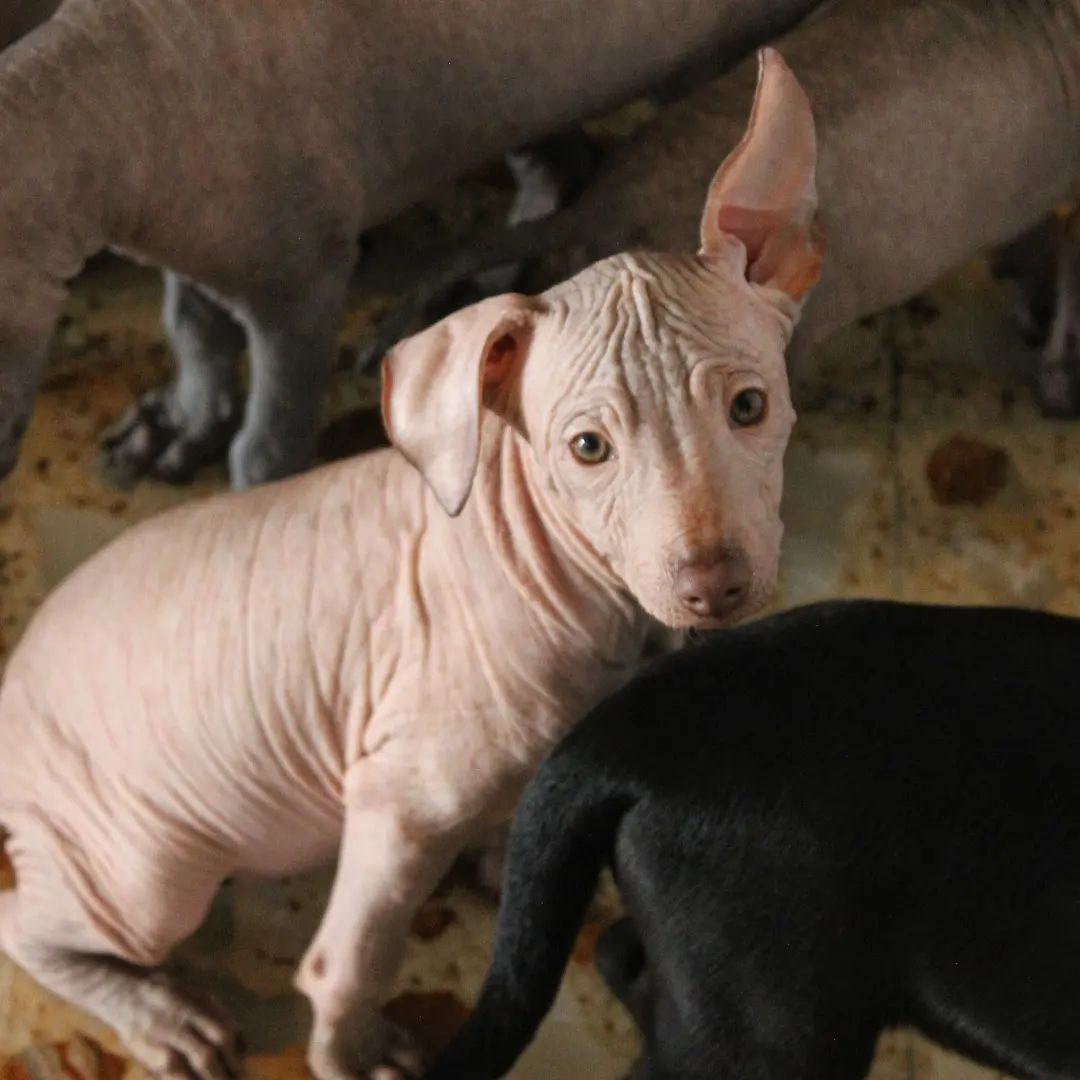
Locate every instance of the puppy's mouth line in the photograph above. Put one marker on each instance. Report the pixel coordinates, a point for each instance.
(710, 623)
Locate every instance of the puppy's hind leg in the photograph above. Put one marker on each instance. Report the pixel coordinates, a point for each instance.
(70, 936)
(164, 1030)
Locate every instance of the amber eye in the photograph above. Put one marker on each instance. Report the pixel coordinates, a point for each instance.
(747, 407)
(590, 448)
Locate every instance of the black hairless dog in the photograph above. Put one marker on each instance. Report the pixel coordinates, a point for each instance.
(836, 820)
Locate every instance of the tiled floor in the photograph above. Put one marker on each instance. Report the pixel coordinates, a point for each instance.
(862, 518)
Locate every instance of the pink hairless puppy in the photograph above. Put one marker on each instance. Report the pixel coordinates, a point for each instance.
(357, 660)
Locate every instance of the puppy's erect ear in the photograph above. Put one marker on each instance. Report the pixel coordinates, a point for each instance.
(433, 387)
(764, 195)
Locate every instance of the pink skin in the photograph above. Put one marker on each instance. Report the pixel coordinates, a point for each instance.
(374, 656)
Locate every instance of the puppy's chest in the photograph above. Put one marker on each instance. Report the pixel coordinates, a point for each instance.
(516, 692)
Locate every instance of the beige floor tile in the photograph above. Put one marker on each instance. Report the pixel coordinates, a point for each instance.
(996, 520)
(1019, 546)
(840, 536)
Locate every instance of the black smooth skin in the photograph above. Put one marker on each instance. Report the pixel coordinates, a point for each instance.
(830, 822)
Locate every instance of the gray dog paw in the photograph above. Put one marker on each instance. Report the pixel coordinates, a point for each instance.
(151, 439)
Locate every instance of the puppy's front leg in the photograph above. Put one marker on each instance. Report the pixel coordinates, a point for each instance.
(394, 851)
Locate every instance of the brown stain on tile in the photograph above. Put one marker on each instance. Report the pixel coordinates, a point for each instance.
(432, 1018)
(966, 471)
(77, 1058)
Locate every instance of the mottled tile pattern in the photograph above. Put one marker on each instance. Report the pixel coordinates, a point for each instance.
(863, 518)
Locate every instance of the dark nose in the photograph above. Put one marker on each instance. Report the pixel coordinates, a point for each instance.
(713, 584)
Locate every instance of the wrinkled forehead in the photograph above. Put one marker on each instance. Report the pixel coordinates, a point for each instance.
(636, 325)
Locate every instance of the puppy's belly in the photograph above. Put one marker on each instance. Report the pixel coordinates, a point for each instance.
(261, 833)
(128, 833)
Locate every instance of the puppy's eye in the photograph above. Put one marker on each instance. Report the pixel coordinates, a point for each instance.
(590, 448)
(747, 407)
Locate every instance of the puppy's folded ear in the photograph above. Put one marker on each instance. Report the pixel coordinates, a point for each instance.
(763, 196)
(433, 388)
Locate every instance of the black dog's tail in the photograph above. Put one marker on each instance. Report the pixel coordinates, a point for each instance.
(562, 837)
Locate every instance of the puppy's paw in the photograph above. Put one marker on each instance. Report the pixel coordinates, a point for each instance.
(174, 1037)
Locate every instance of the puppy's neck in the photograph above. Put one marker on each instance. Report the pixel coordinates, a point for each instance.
(539, 545)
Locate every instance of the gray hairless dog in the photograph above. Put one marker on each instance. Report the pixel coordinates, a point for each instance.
(945, 126)
(244, 146)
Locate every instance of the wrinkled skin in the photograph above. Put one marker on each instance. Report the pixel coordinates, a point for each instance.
(682, 477)
(341, 114)
(372, 658)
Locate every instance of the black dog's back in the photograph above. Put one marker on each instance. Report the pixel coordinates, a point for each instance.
(874, 820)
(837, 819)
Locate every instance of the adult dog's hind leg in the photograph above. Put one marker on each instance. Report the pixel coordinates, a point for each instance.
(174, 429)
(292, 353)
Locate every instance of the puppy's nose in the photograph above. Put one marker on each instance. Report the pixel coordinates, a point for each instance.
(714, 584)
